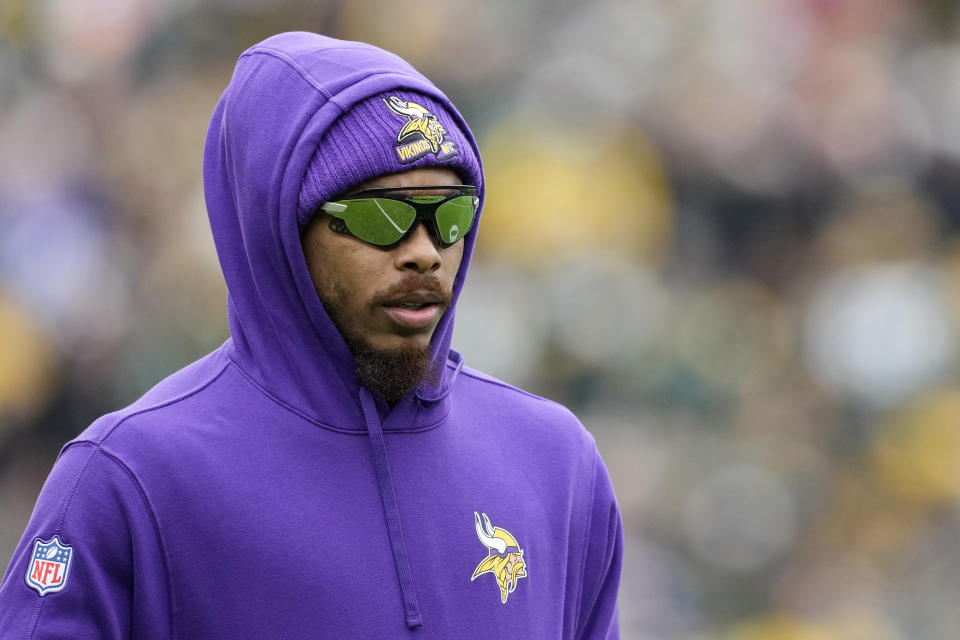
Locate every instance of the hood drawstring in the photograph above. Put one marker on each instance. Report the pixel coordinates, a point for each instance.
(390, 510)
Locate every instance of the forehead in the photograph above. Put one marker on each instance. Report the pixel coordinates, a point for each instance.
(420, 177)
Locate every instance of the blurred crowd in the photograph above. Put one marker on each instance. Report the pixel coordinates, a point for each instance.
(726, 233)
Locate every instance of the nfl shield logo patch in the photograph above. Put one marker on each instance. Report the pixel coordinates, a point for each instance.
(49, 566)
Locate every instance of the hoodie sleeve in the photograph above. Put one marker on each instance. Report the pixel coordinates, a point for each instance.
(598, 618)
(106, 576)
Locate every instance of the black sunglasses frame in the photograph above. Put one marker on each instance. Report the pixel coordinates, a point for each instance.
(425, 212)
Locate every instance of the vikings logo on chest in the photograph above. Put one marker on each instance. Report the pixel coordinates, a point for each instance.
(504, 557)
(49, 566)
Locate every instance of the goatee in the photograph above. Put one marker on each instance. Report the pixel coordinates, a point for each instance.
(392, 373)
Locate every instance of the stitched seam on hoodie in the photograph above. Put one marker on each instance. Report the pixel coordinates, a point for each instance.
(586, 545)
(161, 405)
(312, 420)
(509, 387)
(313, 82)
(288, 406)
(293, 64)
(156, 527)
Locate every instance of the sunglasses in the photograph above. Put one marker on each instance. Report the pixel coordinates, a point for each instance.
(386, 216)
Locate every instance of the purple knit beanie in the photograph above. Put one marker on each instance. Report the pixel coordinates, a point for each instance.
(387, 133)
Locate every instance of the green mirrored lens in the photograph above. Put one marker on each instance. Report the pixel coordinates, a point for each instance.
(455, 217)
(377, 220)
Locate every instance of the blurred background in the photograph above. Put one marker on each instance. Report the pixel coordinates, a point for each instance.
(726, 233)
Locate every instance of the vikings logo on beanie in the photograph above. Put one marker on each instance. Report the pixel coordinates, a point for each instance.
(387, 133)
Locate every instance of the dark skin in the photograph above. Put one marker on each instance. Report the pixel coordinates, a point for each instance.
(360, 284)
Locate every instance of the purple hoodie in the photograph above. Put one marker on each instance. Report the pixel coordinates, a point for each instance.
(262, 492)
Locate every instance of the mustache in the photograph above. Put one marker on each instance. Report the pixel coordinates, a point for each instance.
(410, 284)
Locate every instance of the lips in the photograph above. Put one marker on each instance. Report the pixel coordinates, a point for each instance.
(416, 310)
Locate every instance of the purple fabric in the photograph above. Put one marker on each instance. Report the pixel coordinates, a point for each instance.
(245, 496)
(391, 510)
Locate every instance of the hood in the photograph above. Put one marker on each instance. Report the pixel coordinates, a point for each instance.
(285, 93)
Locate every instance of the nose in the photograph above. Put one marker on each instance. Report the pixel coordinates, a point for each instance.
(418, 252)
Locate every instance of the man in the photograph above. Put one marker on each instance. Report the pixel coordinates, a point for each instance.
(334, 469)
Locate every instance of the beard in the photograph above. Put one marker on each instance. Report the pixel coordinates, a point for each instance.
(392, 373)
